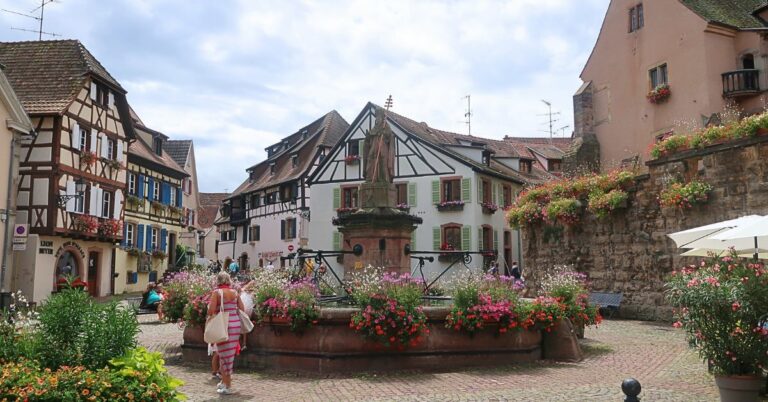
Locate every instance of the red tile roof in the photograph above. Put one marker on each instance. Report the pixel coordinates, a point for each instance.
(209, 207)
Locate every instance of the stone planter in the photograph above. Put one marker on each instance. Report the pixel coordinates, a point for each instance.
(738, 388)
(449, 208)
(561, 344)
(193, 336)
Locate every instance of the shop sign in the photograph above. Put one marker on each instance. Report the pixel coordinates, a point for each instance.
(70, 244)
(270, 255)
(46, 247)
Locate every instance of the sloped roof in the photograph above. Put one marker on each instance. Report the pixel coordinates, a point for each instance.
(141, 149)
(208, 208)
(47, 75)
(325, 131)
(178, 150)
(736, 13)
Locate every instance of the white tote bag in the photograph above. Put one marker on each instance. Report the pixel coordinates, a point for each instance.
(246, 325)
(217, 327)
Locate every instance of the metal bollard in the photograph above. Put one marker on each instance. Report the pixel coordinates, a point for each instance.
(631, 388)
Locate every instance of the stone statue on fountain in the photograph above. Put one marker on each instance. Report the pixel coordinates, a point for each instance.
(378, 190)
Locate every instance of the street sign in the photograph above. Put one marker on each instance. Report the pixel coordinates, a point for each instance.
(20, 247)
(290, 248)
(19, 240)
(20, 230)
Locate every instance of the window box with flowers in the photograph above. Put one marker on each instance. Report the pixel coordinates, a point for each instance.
(87, 158)
(159, 207)
(450, 253)
(352, 159)
(159, 254)
(174, 210)
(660, 94)
(132, 200)
(685, 196)
(85, 224)
(110, 228)
(133, 251)
(489, 208)
(457, 205)
(114, 164)
(403, 207)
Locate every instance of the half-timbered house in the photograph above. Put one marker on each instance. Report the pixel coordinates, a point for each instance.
(458, 184)
(71, 175)
(266, 217)
(154, 214)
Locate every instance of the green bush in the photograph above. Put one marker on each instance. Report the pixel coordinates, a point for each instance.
(73, 330)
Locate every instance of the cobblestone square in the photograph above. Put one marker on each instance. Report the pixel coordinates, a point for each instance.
(656, 354)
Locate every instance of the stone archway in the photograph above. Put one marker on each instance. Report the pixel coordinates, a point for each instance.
(68, 265)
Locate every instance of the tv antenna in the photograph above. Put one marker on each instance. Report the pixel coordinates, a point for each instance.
(39, 31)
(388, 102)
(550, 115)
(468, 114)
(563, 129)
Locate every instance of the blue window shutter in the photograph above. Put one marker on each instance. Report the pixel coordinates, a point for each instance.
(125, 234)
(151, 188)
(149, 238)
(140, 237)
(165, 194)
(163, 235)
(140, 186)
(178, 197)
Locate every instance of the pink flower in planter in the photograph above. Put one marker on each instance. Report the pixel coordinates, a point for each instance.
(735, 306)
(677, 324)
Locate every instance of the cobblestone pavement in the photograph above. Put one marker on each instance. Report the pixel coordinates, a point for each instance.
(657, 355)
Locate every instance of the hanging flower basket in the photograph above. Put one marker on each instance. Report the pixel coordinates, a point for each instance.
(660, 94)
(87, 158)
(133, 251)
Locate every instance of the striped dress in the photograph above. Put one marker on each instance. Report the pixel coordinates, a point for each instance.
(227, 350)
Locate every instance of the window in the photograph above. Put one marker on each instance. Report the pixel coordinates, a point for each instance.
(555, 165)
(255, 200)
(83, 139)
(748, 61)
(129, 234)
(154, 239)
(287, 192)
(506, 195)
(158, 145)
(272, 197)
(636, 19)
(172, 196)
(526, 166)
(451, 237)
(131, 183)
(353, 148)
(289, 228)
(111, 149)
(156, 190)
(486, 158)
(486, 191)
(322, 154)
(102, 95)
(294, 160)
(106, 204)
(402, 193)
(349, 197)
(487, 238)
(451, 190)
(228, 235)
(272, 168)
(658, 75)
(254, 233)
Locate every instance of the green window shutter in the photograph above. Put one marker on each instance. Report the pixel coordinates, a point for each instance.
(466, 237)
(413, 240)
(436, 238)
(336, 198)
(336, 241)
(479, 191)
(493, 194)
(466, 190)
(480, 239)
(412, 194)
(496, 240)
(435, 192)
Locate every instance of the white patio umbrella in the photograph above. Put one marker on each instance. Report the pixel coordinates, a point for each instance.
(748, 236)
(696, 237)
(705, 252)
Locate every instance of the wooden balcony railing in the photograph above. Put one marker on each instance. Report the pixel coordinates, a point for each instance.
(741, 82)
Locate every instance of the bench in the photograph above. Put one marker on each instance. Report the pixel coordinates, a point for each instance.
(135, 302)
(609, 302)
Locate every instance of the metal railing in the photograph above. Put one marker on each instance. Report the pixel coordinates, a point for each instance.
(741, 82)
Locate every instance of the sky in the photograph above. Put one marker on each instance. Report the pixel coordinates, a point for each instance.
(238, 75)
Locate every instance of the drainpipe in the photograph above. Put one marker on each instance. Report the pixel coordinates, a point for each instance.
(7, 222)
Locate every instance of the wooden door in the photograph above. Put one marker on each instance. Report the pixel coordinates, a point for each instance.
(93, 273)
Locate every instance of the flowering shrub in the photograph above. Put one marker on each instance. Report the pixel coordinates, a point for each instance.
(85, 223)
(720, 304)
(561, 201)
(659, 94)
(16, 326)
(482, 300)
(351, 159)
(685, 195)
(87, 157)
(491, 207)
(745, 128)
(390, 313)
(110, 228)
(181, 289)
(602, 204)
(196, 310)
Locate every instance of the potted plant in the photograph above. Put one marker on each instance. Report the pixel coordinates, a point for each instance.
(352, 159)
(131, 199)
(721, 305)
(174, 210)
(685, 196)
(133, 251)
(489, 207)
(570, 288)
(660, 94)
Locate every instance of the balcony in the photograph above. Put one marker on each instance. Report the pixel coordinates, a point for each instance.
(741, 83)
(237, 216)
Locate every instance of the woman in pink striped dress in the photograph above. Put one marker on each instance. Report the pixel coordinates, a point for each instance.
(227, 350)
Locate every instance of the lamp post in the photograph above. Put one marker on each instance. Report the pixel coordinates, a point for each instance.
(79, 188)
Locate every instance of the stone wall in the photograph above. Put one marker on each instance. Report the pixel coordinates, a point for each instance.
(629, 251)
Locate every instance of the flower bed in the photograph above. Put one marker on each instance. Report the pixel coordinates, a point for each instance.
(562, 202)
(685, 196)
(746, 128)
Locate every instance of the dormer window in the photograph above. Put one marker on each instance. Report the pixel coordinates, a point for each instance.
(101, 94)
(526, 166)
(304, 134)
(158, 145)
(555, 165)
(486, 158)
(294, 160)
(636, 19)
(322, 154)
(272, 168)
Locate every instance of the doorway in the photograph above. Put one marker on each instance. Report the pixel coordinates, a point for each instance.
(507, 252)
(172, 257)
(93, 273)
